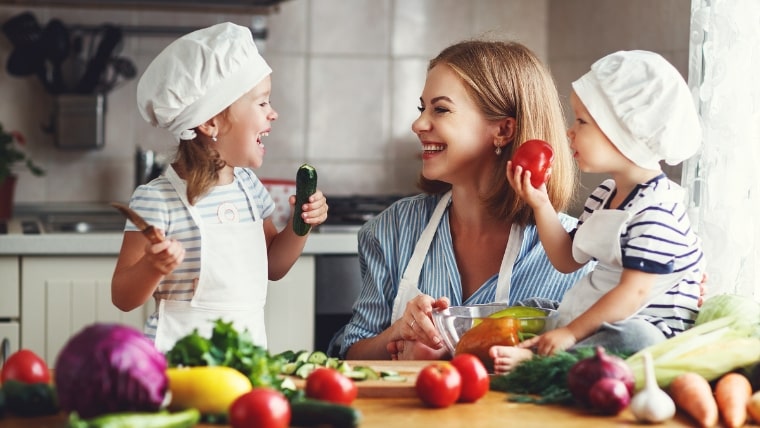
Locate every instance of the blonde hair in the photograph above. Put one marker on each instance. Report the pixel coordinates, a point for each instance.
(506, 79)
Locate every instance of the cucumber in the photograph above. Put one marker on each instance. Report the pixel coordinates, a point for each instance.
(317, 357)
(311, 412)
(162, 419)
(306, 185)
(30, 399)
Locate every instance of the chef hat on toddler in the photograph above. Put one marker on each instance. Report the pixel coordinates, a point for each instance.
(199, 75)
(643, 105)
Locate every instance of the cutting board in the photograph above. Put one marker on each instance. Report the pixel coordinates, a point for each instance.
(385, 388)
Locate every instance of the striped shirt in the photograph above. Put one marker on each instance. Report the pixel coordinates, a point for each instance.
(386, 244)
(160, 205)
(658, 239)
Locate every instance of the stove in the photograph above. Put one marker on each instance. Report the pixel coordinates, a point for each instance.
(348, 213)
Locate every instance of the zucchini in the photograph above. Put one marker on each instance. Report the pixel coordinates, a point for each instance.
(306, 185)
(162, 419)
(311, 412)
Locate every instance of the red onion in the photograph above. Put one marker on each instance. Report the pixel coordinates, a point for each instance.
(609, 396)
(584, 374)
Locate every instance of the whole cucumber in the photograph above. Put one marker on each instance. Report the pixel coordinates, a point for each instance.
(163, 419)
(306, 185)
(308, 412)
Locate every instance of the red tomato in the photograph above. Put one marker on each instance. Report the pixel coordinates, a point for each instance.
(330, 385)
(439, 384)
(535, 156)
(261, 408)
(25, 366)
(475, 380)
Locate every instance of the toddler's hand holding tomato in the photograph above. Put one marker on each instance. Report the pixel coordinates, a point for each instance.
(534, 158)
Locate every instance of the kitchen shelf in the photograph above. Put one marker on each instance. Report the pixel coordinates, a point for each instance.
(257, 7)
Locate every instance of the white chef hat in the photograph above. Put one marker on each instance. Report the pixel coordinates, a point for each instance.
(199, 75)
(643, 105)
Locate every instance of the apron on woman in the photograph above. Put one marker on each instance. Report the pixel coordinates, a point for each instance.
(233, 277)
(408, 287)
(599, 238)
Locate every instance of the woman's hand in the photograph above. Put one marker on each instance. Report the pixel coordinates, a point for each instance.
(415, 350)
(416, 325)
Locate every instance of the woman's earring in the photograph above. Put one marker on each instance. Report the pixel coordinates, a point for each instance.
(498, 151)
(213, 138)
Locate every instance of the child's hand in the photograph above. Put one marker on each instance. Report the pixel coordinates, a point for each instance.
(315, 211)
(550, 342)
(165, 256)
(519, 179)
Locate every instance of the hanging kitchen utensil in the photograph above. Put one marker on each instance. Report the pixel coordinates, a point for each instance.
(55, 47)
(96, 66)
(73, 67)
(118, 71)
(24, 32)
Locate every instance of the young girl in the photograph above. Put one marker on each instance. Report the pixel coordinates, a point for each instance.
(632, 110)
(211, 90)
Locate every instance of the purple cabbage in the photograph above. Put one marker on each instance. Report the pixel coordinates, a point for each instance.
(107, 368)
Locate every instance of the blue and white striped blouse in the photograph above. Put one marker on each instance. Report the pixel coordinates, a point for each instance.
(386, 244)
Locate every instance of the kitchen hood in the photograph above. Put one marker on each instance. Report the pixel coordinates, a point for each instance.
(259, 7)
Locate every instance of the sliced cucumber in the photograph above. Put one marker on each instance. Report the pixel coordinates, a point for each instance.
(305, 370)
(318, 358)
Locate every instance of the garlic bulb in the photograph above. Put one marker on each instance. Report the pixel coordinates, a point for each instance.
(652, 404)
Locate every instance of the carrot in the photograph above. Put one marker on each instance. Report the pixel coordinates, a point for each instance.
(732, 393)
(693, 395)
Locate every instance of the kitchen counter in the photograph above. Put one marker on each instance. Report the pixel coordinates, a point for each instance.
(108, 244)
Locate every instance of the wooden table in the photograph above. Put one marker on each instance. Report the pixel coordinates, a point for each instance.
(396, 405)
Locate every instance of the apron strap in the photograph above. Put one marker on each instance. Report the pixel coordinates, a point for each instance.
(413, 269)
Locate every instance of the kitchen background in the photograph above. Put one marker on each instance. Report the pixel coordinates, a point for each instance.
(347, 78)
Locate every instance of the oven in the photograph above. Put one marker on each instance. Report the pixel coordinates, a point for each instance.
(338, 280)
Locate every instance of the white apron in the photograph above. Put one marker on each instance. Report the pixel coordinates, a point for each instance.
(408, 287)
(233, 279)
(599, 238)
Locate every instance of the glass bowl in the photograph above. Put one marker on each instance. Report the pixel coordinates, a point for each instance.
(504, 326)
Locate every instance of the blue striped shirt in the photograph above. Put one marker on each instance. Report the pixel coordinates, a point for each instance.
(386, 244)
(658, 239)
(160, 205)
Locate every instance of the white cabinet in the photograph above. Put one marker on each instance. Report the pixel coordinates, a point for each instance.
(61, 295)
(9, 301)
(290, 309)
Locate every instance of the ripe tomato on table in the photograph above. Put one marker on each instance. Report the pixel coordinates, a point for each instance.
(535, 156)
(262, 408)
(439, 384)
(26, 367)
(330, 385)
(475, 380)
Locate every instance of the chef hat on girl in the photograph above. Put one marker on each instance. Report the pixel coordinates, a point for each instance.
(643, 105)
(199, 75)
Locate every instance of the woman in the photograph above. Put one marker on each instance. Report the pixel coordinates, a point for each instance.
(468, 239)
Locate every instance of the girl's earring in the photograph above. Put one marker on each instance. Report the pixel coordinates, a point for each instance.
(498, 151)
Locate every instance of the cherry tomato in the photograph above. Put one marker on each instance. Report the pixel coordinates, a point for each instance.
(260, 407)
(475, 380)
(25, 366)
(535, 156)
(439, 384)
(330, 385)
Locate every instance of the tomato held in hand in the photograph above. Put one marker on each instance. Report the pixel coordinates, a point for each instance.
(535, 156)
(330, 385)
(25, 366)
(260, 407)
(439, 384)
(475, 380)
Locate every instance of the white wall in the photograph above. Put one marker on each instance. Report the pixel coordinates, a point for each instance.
(347, 78)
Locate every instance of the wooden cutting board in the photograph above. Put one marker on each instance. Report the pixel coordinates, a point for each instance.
(385, 388)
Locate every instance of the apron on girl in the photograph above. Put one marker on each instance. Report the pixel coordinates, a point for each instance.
(599, 238)
(233, 277)
(408, 287)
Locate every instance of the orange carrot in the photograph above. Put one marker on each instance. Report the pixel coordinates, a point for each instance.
(732, 393)
(693, 395)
